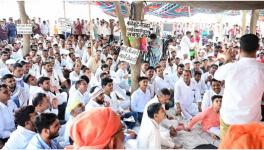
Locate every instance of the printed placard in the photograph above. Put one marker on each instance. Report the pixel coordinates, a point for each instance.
(138, 29)
(24, 28)
(128, 54)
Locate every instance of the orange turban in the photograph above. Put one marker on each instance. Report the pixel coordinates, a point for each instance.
(94, 128)
(248, 136)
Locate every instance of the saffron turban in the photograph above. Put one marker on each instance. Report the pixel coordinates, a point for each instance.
(94, 128)
(248, 136)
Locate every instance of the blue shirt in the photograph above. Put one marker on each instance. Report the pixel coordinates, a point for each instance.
(11, 28)
(37, 143)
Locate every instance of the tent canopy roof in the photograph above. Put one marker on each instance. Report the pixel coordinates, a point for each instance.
(223, 5)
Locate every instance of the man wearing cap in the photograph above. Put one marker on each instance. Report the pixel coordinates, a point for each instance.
(75, 108)
(9, 67)
(208, 76)
(97, 98)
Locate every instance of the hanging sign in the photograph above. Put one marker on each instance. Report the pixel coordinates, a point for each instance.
(24, 28)
(138, 29)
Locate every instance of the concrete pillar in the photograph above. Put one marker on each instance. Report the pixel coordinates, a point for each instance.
(253, 20)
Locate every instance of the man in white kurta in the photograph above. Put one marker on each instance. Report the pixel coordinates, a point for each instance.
(162, 97)
(186, 44)
(160, 81)
(152, 138)
(187, 96)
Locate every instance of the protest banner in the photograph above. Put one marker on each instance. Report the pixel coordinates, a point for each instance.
(138, 29)
(128, 54)
(24, 28)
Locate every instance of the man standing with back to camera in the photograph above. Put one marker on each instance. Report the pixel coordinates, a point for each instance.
(243, 85)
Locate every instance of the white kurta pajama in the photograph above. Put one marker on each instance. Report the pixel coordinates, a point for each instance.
(164, 132)
(149, 136)
(187, 96)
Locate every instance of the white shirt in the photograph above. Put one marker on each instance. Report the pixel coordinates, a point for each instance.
(93, 104)
(21, 95)
(4, 71)
(74, 76)
(151, 87)
(79, 50)
(207, 98)
(243, 91)
(146, 121)
(7, 124)
(120, 78)
(85, 57)
(204, 78)
(19, 139)
(44, 28)
(114, 102)
(149, 136)
(139, 99)
(59, 96)
(66, 134)
(172, 79)
(185, 45)
(76, 95)
(160, 84)
(187, 96)
(35, 70)
(55, 78)
(2, 64)
(17, 55)
(201, 85)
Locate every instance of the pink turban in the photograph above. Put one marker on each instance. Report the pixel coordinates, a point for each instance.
(94, 128)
